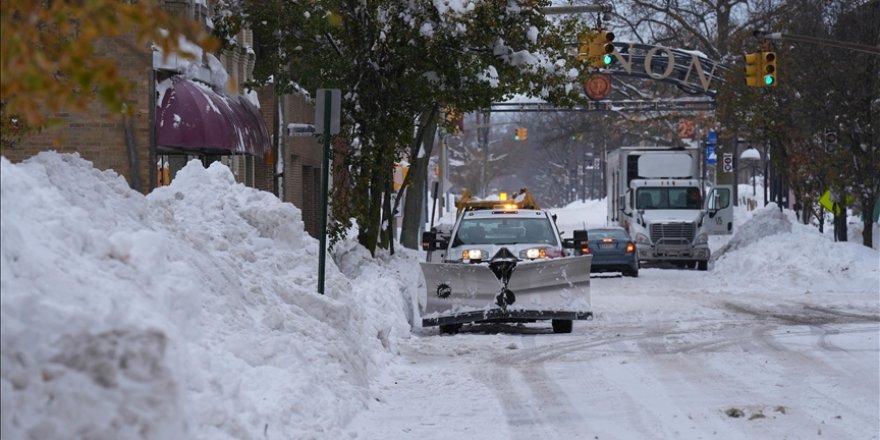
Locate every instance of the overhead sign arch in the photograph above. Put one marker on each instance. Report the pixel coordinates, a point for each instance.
(692, 72)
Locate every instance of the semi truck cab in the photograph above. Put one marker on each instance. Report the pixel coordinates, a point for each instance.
(668, 222)
(656, 194)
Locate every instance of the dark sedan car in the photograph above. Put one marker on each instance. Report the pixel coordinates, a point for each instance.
(613, 251)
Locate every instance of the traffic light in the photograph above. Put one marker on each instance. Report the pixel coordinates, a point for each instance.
(520, 134)
(604, 48)
(596, 47)
(768, 69)
(525, 134)
(753, 69)
(761, 69)
(585, 42)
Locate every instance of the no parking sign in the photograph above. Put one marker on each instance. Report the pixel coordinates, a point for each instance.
(727, 162)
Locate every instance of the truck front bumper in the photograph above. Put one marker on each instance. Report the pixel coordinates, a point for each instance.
(673, 252)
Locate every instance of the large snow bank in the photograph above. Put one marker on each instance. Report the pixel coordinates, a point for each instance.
(188, 313)
(795, 253)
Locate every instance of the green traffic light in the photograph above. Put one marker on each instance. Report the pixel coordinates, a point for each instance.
(769, 80)
(607, 59)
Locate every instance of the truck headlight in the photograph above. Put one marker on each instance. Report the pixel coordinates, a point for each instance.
(533, 253)
(642, 239)
(472, 254)
(701, 238)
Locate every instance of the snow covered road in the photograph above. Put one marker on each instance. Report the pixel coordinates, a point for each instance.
(666, 357)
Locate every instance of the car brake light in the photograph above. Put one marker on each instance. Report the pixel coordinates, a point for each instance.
(630, 248)
(585, 250)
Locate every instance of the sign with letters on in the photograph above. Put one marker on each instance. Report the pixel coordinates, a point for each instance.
(727, 162)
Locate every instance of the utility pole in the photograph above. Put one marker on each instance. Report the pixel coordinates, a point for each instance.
(483, 138)
(593, 171)
(444, 172)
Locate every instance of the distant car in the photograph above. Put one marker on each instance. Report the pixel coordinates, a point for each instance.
(613, 250)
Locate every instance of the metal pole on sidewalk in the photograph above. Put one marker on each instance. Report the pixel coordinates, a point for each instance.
(325, 177)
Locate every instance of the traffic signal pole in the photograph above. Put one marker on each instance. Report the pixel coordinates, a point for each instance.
(562, 10)
(779, 36)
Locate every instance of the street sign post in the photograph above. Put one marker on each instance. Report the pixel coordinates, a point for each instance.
(711, 144)
(727, 162)
(333, 99)
(301, 130)
(327, 116)
(711, 157)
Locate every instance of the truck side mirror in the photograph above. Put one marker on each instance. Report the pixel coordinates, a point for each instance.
(580, 240)
(429, 241)
(712, 207)
(622, 203)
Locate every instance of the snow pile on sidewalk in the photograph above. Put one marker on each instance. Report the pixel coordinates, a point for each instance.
(774, 242)
(188, 313)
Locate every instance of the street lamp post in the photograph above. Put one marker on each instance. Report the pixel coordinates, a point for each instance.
(751, 157)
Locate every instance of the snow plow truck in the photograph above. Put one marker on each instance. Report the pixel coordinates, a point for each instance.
(504, 260)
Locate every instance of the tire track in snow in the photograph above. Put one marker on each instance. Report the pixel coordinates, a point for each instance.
(761, 390)
(552, 399)
(524, 420)
(831, 368)
(679, 391)
(544, 409)
(535, 406)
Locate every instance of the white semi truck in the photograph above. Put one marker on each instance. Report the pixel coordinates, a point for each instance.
(656, 194)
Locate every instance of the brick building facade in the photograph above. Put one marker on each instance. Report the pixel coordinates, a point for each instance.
(128, 145)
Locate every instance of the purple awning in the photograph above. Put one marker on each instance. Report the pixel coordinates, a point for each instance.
(191, 115)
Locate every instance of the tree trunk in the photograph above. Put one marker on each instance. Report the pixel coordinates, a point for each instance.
(840, 222)
(819, 214)
(868, 206)
(369, 227)
(417, 178)
(387, 235)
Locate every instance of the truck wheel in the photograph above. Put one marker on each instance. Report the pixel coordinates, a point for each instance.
(632, 273)
(702, 265)
(450, 329)
(562, 326)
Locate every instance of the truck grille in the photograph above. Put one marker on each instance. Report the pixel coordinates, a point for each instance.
(672, 230)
